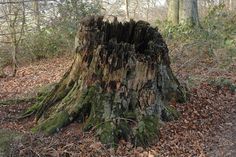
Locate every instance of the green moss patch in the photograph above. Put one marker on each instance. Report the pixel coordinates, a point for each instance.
(53, 124)
(108, 134)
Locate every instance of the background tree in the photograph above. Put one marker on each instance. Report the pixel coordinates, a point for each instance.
(183, 11)
(14, 15)
(189, 12)
(173, 11)
(36, 14)
(35, 29)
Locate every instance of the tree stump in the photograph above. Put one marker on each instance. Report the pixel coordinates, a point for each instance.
(119, 84)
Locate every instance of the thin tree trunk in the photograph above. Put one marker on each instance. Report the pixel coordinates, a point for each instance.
(147, 11)
(14, 40)
(14, 60)
(127, 9)
(36, 14)
(135, 8)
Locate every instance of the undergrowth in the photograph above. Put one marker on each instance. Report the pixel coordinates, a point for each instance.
(215, 40)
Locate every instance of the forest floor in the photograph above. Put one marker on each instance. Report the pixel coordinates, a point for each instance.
(206, 127)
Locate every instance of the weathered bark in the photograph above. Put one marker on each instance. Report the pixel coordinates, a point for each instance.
(119, 84)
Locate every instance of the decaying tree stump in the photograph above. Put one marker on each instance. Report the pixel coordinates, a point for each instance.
(119, 84)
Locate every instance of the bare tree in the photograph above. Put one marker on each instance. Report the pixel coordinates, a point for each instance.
(14, 16)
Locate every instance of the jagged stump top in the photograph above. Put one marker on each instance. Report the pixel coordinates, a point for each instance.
(143, 41)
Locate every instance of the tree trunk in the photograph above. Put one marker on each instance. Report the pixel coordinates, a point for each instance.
(189, 12)
(195, 14)
(173, 11)
(36, 14)
(232, 5)
(14, 60)
(119, 84)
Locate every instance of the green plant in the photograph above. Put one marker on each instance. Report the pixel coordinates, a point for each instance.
(46, 43)
(215, 39)
(58, 35)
